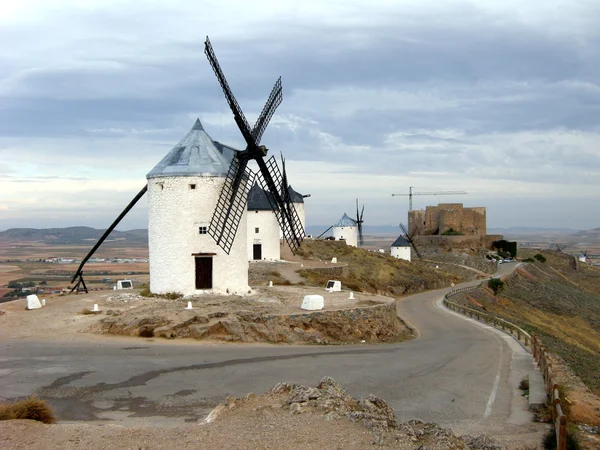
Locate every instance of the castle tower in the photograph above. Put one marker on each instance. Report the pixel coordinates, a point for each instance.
(183, 190)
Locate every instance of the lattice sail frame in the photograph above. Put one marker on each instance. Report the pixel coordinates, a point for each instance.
(230, 207)
(289, 221)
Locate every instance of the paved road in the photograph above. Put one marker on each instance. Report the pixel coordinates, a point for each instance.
(455, 373)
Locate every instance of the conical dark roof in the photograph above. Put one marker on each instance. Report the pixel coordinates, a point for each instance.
(401, 242)
(258, 199)
(195, 154)
(295, 197)
(345, 221)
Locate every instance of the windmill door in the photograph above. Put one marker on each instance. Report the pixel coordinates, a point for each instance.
(204, 272)
(257, 251)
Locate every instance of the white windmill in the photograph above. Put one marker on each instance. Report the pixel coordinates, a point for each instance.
(197, 206)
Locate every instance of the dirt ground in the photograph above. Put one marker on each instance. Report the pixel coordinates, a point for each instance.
(62, 315)
(285, 417)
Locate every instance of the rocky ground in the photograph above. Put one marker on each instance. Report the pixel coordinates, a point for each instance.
(286, 417)
(268, 315)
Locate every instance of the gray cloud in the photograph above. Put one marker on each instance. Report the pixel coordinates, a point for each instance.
(490, 91)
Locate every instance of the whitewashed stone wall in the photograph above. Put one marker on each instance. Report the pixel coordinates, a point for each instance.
(175, 213)
(349, 234)
(267, 236)
(401, 253)
(301, 214)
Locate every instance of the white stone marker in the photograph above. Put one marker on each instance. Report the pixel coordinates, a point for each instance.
(33, 302)
(351, 296)
(313, 302)
(43, 302)
(95, 308)
(334, 260)
(270, 284)
(189, 306)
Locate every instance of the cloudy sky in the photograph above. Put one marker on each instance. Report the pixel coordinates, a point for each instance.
(499, 98)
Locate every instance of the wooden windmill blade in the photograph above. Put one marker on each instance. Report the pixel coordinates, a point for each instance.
(410, 238)
(271, 180)
(274, 100)
(238, 115)
(231, 205)
(233, 197)
(359, 222)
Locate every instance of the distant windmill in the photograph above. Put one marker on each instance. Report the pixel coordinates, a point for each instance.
(559, 247)
(348, 229)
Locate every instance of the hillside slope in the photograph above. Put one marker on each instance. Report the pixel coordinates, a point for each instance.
(71, 235)
(559, 303)
(366, 271)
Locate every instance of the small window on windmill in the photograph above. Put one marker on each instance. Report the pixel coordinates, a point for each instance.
(256, 230)
(203, 230)
(192, 186)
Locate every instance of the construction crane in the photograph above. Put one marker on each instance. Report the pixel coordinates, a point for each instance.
(411, 193)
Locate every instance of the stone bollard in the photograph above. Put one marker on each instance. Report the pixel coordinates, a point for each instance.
(95, 308)
(351, 297)
(334, 260)
(189, 306)
(43, 302)
(270, 284)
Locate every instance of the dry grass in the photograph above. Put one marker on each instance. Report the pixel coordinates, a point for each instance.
(544, 298)
(31, 408)
(87, 311)
(370, 271)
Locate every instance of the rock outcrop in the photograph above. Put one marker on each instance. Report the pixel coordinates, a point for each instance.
(332, 401)
(347, 326)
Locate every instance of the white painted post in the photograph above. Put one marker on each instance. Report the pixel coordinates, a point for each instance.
(270, 284)
(43, 302)
(351, 296)
(189, 306)
(95, 308)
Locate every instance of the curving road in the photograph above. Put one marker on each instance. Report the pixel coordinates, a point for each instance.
(456, 373)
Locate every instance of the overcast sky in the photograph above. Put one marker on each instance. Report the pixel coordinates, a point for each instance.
(499, 98)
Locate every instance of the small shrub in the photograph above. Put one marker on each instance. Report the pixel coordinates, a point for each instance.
(496, 285)
(549, 442)
(540, 257)
(31, 408)
(524, 384)
(529, 260)
(87, 311)
(146, 292)
(172, 295)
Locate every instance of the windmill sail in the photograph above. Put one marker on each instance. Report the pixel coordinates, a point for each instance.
(231, 205)
(288, 218)
(410, 238)
(233, 198)
(359, 222)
